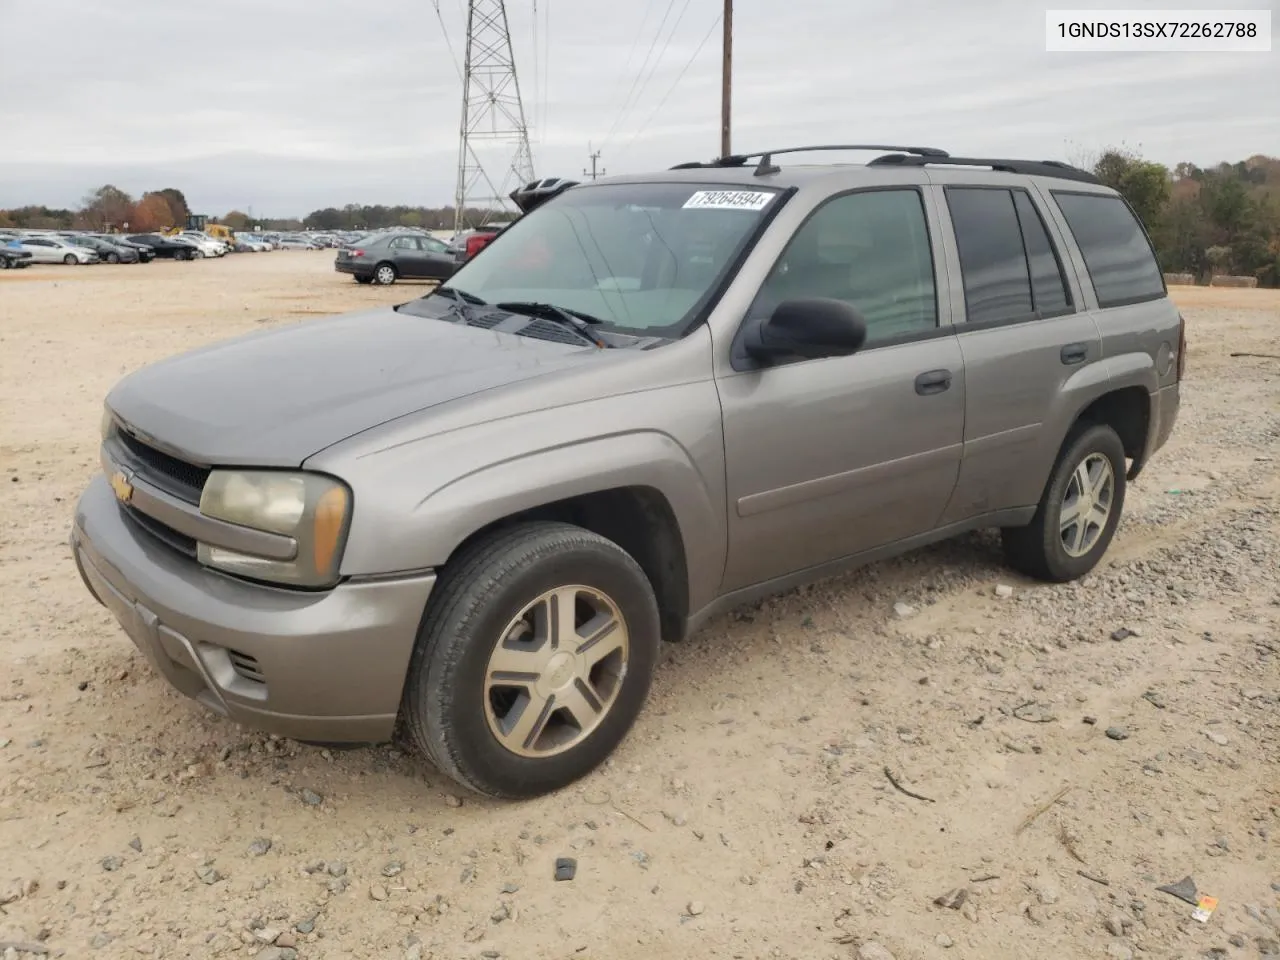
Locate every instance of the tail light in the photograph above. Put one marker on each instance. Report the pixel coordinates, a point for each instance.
(1182, 345)
(357, 253)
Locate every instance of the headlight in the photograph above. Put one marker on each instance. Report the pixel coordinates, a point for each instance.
(312, 509)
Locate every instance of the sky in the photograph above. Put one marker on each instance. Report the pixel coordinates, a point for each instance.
(286, 106)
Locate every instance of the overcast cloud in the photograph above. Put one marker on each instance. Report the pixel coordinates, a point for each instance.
(291, 105)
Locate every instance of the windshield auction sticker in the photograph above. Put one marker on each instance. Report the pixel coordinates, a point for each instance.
(728, 200)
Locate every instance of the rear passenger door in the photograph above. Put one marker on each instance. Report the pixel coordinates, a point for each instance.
(1028, 344)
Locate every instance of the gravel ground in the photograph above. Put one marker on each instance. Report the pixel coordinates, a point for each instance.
(1070, 749)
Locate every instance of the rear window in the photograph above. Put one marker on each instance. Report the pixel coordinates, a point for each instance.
(1121, 263)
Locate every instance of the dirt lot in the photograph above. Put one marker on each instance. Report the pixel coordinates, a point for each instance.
(750, 814)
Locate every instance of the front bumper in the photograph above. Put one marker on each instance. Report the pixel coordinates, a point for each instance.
(312, 666)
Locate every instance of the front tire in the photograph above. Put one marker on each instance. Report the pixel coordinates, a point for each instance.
(70, 260)
(534, 660)
(1079, 512)
(364, 279)
(113, 258)
(385, 274)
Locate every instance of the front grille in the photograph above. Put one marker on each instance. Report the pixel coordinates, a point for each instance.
(176, 477)
(161, 531)
(246, 666)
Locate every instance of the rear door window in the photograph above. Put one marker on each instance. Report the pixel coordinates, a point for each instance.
(993, 261)
(1117, 254)
(1049, 292)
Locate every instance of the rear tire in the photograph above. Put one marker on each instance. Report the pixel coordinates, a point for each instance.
(503, 693)
(364, 279)
(1079, 512)
(385, 274)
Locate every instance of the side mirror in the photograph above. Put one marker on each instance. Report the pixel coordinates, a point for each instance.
(810, 329)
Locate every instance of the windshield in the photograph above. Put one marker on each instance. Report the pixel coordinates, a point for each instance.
(642, 257)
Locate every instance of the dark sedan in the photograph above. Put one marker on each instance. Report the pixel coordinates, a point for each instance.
(107, 251)
(145, 253)
(164, 247)
(391, 257)
(13, 257)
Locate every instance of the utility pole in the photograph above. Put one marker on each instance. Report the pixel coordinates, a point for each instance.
(726, 80)
(593, 172)
(491, 110)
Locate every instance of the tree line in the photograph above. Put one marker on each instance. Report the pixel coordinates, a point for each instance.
(107, 209)
(1203, 221)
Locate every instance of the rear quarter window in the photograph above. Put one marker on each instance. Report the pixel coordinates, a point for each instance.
(1121, 264)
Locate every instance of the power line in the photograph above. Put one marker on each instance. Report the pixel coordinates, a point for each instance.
(635, 43)
(644, 85)
(645, 63)
(676, 83)
(444, 32)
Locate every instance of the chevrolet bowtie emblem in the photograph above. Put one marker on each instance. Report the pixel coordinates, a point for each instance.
(122, 487)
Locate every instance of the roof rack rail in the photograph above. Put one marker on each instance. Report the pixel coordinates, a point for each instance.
(766, 165)
(1031, 168)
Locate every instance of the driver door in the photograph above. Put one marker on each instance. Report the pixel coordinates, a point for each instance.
(829, 458)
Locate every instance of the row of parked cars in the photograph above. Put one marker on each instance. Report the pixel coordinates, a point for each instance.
(21, 248)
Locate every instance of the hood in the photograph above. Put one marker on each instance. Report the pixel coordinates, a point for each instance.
(276, 398)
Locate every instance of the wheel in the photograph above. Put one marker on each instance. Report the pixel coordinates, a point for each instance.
(385, 274)
(364, 279)
(1079, 512)
(186, 255)
(113, 258)
(533, 661)
(4, 263)
(70, 260)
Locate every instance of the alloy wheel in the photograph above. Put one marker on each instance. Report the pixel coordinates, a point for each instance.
(1086, 504)
(556, 672)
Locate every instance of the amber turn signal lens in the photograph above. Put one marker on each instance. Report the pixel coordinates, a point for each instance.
(331, 514)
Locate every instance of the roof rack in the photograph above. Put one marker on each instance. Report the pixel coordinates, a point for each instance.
(1031, 168)
(766, 165)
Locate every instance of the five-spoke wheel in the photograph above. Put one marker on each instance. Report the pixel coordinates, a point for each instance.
(534, 659)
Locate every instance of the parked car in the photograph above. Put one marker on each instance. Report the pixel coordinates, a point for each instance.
(13, 256)
(50, 248)
(207, 245)
(391, 257)
(297, 243)
(107, 252)
(468, 244)
(478, 514)
(169, 247)
(145, 253)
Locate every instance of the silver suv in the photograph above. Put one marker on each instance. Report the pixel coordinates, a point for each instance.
(475, 516)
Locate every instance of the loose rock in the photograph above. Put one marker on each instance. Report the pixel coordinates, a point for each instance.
(1117, 733)
(259, 847)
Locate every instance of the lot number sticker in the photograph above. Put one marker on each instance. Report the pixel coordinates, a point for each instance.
(728, 200)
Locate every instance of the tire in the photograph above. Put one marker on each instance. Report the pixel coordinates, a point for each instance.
(113, 258)
(1046, 549)
(455, 713)
(384, 274)
(71, 260)
(4, 263)
(364, 279)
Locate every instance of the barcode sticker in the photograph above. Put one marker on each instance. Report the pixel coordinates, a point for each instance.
(729, 200)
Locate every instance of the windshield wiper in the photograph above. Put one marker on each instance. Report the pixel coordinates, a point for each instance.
(575, 320)
(462, 302)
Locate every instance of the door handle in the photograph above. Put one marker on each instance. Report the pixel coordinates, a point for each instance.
(1074, 353)
(933, 381)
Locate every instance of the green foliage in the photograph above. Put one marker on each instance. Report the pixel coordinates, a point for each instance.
(1225, 219)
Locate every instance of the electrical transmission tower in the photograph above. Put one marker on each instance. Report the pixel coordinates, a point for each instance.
(491, 111)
